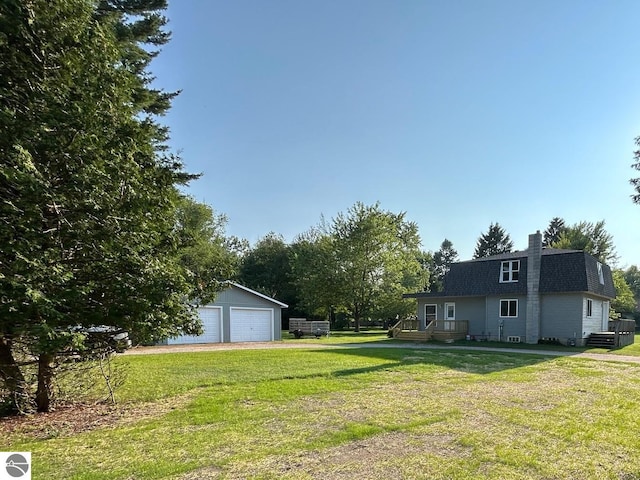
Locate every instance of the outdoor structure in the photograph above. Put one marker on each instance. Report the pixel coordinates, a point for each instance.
(536, 295)
(301, 326)
(238, 314)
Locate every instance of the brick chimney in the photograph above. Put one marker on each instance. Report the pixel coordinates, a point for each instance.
(534, 258)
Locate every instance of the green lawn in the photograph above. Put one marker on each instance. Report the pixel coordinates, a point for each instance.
(354, 413)
(633, 349)
(378, 335)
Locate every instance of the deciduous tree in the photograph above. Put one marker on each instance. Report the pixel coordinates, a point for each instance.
(590, 237)
(427, 268)
(375, 254)
(268, 268)
(314, 271)
(624, 301)
(204, 250)
(632, 277)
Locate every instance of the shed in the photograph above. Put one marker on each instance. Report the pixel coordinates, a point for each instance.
(238, 314)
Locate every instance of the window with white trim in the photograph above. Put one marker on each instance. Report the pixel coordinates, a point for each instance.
(449, 311)
(509, 271)
(589, 307)
(509, 308)
(430, 313)
(600, 274)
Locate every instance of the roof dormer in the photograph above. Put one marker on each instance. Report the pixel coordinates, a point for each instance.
(509, 271)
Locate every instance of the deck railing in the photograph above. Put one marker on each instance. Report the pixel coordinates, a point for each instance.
(624, 330)
(436, 328)
(453, 326)
(407, 325)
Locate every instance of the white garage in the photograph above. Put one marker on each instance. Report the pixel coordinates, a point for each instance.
(238, 314)
(251, 324)
(211, 318)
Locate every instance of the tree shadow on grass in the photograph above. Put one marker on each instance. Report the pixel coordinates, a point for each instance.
(474, 362)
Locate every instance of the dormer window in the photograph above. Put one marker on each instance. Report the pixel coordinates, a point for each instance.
(509, 271)
(600, 274)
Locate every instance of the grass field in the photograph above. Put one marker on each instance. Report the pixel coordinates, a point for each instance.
(377, 335)
(354, 413)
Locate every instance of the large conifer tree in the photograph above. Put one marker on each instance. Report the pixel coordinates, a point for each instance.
(553, 232)
(442, 260)
(88, 187)
(636, 181)
(494, 242)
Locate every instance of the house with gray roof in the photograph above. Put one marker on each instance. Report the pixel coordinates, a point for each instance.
(540, 294)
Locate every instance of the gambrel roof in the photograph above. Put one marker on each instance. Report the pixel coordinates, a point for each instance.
(561, 271)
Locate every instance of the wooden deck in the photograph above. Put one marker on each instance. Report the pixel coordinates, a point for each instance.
(441, 330)
(621, 333)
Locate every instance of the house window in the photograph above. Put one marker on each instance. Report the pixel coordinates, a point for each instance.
(449, 311)
(509, 308)
(509, 271)
(600, 274)
(589, 307)
(430, 313)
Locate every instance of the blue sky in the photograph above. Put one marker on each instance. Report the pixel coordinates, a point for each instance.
(460, 113)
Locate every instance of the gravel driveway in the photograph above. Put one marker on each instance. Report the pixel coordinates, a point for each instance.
(212, 347)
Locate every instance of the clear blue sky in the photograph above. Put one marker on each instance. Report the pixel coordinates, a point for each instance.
(460, 113)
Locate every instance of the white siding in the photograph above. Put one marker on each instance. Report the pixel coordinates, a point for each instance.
(594, 323)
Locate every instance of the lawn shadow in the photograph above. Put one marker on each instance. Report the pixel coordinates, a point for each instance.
(470, 361)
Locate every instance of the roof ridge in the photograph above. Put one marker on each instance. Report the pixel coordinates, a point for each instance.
(522, 254)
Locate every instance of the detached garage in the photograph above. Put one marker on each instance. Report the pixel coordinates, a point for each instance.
(239, 314)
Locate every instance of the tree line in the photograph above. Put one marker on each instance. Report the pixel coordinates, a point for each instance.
(341, 266)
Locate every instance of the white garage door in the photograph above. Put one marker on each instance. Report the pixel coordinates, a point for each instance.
(251, 324)
(211, 318)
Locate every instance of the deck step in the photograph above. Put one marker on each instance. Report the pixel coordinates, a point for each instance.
(601, 340)
(414, 336)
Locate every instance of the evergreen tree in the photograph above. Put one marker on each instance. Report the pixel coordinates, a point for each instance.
(553, 232)
(494, 242)
(87, 222)
(442, 260)
(636, 181)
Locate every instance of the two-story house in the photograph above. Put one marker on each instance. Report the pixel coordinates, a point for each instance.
(539, 293)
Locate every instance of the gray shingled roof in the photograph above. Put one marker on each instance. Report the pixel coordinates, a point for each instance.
(521, 254)
(561, 271)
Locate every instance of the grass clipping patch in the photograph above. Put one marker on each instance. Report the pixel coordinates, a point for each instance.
(381, 456)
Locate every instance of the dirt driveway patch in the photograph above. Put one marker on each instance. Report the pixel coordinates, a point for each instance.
(212, 347)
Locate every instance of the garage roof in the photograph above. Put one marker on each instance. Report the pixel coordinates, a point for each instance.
(258, 294)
